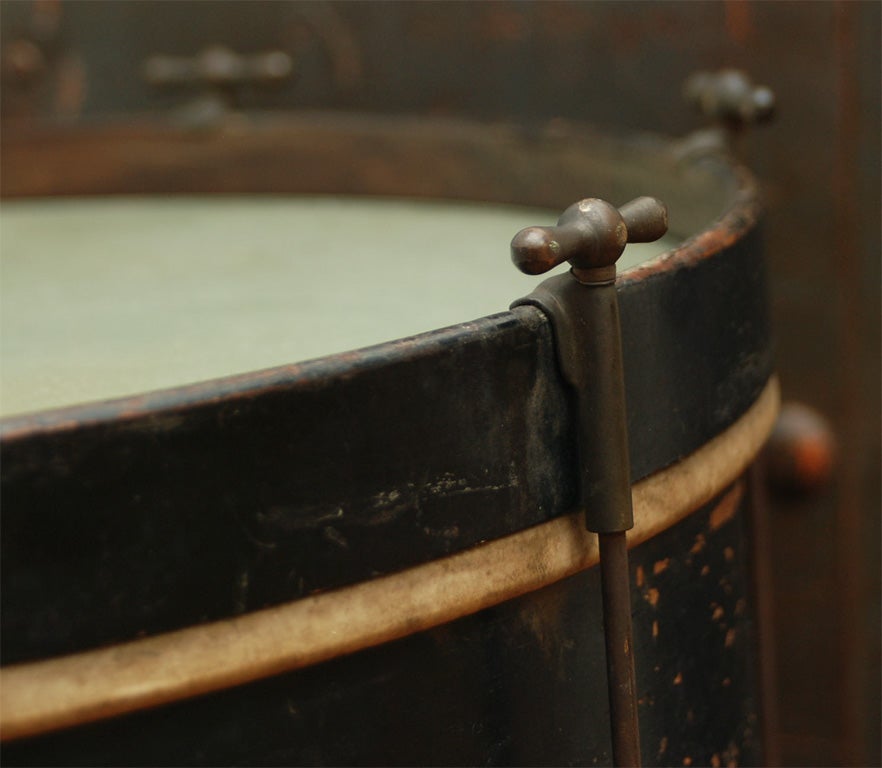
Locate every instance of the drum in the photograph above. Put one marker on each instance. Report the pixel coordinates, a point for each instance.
(349, 554)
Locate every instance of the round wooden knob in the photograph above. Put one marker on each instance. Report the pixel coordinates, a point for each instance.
(801, 452)
(591, 235)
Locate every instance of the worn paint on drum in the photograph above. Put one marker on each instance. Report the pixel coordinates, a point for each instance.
(209, 502)
(106, 298)
(105, 682)
(519, 683)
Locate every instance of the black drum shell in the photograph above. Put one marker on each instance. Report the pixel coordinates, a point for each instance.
(141, 516)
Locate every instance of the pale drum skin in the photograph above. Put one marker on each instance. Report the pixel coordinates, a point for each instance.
(174, 291)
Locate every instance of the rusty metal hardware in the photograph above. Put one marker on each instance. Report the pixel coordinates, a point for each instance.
(591, 235)
(218, 66)
(220, 73)
(729, 96)
(733, 103)
(583, 309)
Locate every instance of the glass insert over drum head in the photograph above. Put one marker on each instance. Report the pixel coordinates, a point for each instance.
(111, 297)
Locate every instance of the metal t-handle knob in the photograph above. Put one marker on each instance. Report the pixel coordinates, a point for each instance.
(219, 67)
(591, 235)
(729, 96)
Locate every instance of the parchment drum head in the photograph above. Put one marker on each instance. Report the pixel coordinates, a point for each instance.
(110, 297)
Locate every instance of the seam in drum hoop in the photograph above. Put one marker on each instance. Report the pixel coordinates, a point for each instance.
(43, 696)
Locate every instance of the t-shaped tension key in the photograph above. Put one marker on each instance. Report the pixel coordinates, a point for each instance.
(584, 312)
(591, 235)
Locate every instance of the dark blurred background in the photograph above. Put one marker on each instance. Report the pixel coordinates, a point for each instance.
(621, 66)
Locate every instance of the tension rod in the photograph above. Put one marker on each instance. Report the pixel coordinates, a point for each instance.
(583, 308)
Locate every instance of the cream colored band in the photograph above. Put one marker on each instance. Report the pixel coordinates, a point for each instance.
(48, 695)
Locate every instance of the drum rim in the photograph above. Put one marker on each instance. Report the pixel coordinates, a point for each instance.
(741, 214)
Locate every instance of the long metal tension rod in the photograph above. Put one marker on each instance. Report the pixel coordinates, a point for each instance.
(583, 308)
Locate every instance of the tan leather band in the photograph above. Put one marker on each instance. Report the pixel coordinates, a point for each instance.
(48, 695)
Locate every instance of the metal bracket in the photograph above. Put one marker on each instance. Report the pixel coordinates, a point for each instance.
(583, 309)
(584, 321)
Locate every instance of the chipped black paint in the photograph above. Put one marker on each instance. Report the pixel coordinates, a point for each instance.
(522, 683)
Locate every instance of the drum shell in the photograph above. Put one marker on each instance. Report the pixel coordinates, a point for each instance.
(213, 501)
(522, 683)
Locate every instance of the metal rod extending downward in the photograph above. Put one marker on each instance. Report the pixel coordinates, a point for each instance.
(615, 584)
(583, 308)
(606, 497)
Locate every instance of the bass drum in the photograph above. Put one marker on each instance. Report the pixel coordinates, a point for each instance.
(370, 557)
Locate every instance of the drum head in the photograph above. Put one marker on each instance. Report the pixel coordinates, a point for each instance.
(107, 297)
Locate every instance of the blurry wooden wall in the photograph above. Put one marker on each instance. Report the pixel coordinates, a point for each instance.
(621, 66)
